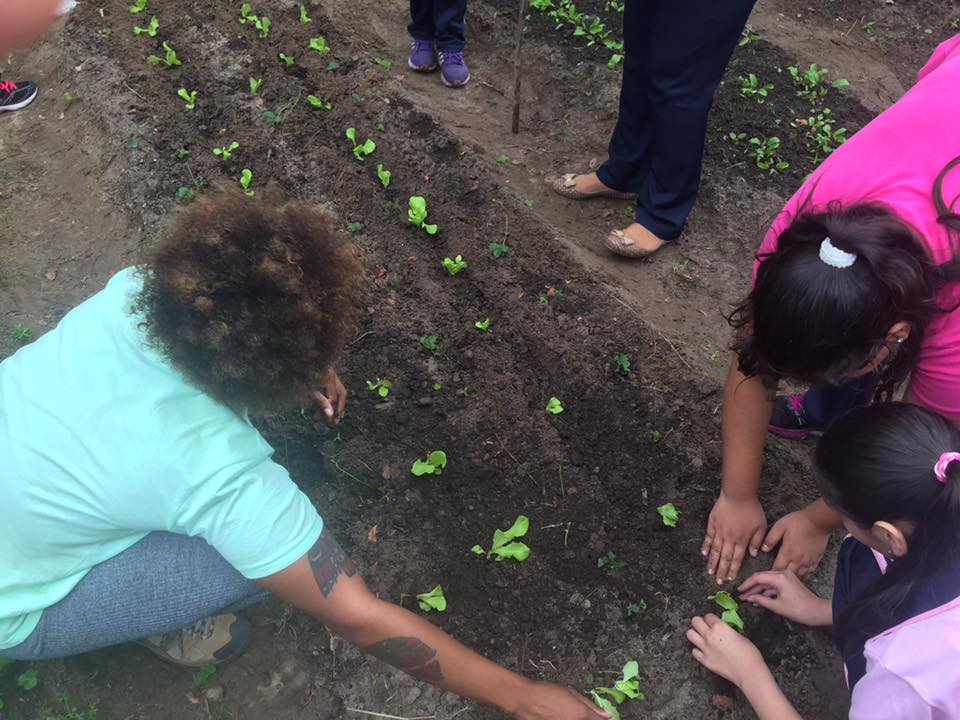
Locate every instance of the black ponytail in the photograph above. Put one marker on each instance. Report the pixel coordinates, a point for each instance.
(877, 463)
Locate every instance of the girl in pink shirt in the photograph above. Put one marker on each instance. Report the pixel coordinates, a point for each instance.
(892, 471)
(856, 291)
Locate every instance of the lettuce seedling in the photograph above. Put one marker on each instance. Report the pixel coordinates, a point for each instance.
(138, 7)
(482, 325)
(434, 464)
(319, 44)
(381, 386)
(623, 364)
(505, 544)
(170, 58)
(224, 153)
(627, 687)
(184, 193)
(354, 226)
(189, 97)
(304, 18)
(318, 103)
(384, 175)
(656, 436)
(271, 117)
(383, 62)
(502, 159)
(429, 342)
(669, 514)
(433, 600)
(245, 179)
(554, 407)
(454, 266)
(288, 59)
(360, 151)
(150, 29)
(498, 249)
(245, 15)
(417, 214)
(729, 615)
(332, 65)
(635, 608)
(255, 85)
(182, 153)
(610, 561)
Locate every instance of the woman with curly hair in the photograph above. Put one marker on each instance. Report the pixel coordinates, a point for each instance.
(140, 503)
(856, 292)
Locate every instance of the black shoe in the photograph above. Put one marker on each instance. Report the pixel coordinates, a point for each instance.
(789, 420)
(16, 95)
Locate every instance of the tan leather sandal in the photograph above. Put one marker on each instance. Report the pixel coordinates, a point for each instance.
(618, 243)
(566, 186)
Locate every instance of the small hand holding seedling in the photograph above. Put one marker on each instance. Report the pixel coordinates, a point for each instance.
(554, 406)
(626, 688)
(730, 615)
(434, 464)
(454, 266)
(331, 399)
(669, 514)
(360, 150)
(505, 544)
(417, 214)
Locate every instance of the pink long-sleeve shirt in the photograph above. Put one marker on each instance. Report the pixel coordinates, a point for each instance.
(894, 160)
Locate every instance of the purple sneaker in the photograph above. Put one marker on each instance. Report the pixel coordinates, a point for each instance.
(453, 70)
(423, 58)
(789, 420)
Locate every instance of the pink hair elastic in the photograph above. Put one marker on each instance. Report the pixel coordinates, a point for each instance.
(940, 469)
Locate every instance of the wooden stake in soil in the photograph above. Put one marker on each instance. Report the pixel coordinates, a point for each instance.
(521, 11)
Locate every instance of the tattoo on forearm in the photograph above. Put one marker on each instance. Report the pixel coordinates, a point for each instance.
(410, 655)
(328, 561)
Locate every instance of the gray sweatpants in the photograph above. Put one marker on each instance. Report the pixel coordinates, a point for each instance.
(162, 583)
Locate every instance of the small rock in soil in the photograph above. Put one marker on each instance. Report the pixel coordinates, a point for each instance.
(213, 693)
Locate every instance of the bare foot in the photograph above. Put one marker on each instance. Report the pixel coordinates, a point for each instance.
(643, 238)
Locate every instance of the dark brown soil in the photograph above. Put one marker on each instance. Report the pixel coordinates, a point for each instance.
(590, 478)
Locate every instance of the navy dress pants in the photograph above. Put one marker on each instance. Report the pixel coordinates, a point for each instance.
(442, 21)
(675, 53)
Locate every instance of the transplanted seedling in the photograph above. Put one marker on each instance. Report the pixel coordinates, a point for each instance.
(384, 175)
(318, 103)
(28, 679)
(417, 214)
(634, 608)
(433, 600)
(138, 7)
(482, 325)
(170, 57)
(498, 249)
(225, 152)
(554, 406)
(434, 464)
(304, 18)
(190, 98)
(22, 333)
(669, 514)
(454, 266)
(319, 44)
(750, 86)
(623, 364)
(730, 614)
(626, 688)
(255, 85)
(505, 543)
(150, 29)
(246, 177)
(360, 150)
(287, 59)
(383, 62)
(610, 561)
(429, 342)
(382, 387)
(354, 226)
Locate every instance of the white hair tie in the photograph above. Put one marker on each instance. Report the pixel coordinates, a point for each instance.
(834, 256)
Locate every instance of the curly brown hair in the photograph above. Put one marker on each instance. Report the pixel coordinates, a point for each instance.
(251, 298)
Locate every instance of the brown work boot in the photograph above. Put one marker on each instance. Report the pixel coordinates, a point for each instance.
(210, 641)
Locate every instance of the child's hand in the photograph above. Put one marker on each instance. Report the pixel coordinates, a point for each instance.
(331, 399)
(802, 543)
(782, 593)
(721, 649)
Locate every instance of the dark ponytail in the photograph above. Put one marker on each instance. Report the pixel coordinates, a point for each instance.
(877, 463)
(809, 321)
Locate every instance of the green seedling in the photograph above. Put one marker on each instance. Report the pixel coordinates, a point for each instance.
(271, 117)
(528, 203)
(360, 150)
(502, 159)
(464, 392)
(224, 153)
(505, 543)
(318, 103)
(28, 679)
(134, 142)
(454, 266)
(319, 44)
(357, 97)
(498, 249)
(262, 24)
(669, 514)
(615, 60)
(381, 127)
(750, 86)
(554, 406)
(434, 464)
(610, 561)
(429, 342)
(635, 608)
(482, 325)
(354, 226)
(656, 436)
(304, 18)
(626, 688)
(246, 177)
(382, 387)
(417, 214)
(182, 153)
(255, 85)
(764, 152)
(623, 364)
(747, 36)
(204, 674)
(820, 130)
(332, 65)
(70, 98)
(730, 614)
(383, 62)
(184, 193)
(287, 59)
(170, 57)
(190, 98)
(437, 386)
(150, 29)
(812, 82)
(433, 600)
(384, 175)
(138, 7)
(245, 14)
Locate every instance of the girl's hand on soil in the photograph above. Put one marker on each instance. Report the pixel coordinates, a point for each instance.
(721, 649)
(545, 701)
(783, 593)
(803, 543)
(734, 526)
(332, 400)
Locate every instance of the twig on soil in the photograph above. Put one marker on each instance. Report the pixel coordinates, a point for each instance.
(357, 480)
(288, 108)
(486, 84)
(391, 717)
(360, 337)
(514, 458)
(133, 91)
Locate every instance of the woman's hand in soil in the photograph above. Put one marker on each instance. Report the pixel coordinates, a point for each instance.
(332, 400)
(783, 593)
(721, 649)
(545, 701)
(734, 526)
(802, 543)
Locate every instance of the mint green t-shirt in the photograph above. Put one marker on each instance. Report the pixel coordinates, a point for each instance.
(102, 442)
